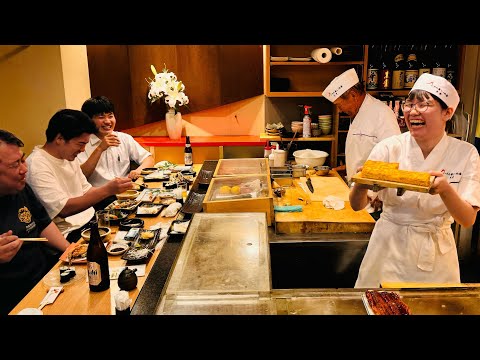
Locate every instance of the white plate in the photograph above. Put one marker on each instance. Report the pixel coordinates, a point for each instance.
(278, 58)
(300, 58)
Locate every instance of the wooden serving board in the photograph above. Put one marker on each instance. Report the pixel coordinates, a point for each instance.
(392, 184)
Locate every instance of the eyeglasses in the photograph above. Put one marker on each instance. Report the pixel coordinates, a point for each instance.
(420, 107)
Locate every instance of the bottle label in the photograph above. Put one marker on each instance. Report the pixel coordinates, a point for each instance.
(372, 79)
(385, 79)
(94, 273)
(451, 76)
(410, 78)
(440, 72)
(188, 159)
(398, 81)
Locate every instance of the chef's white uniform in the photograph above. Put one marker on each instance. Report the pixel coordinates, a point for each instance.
(413, 240)
(374, 122)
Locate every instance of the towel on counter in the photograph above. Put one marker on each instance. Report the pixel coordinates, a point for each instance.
(291, 208)
(333, 202)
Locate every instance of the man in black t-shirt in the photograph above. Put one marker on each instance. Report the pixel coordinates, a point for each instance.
(22, 264)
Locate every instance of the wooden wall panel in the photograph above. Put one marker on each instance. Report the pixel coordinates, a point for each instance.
(109, 71)
(214, 75)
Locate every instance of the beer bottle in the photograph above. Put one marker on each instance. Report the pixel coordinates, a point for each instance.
(373, 68)
(398, 76)
(451, 73)
(424, 60)
(411, 73)
(97, 261)
(438, 65)
(187, 153)
(385, 79)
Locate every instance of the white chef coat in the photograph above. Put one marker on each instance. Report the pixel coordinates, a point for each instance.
(54, 181)
(115, 161)
(413, 240)
(374, 122)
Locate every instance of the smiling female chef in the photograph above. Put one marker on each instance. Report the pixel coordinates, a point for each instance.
(413, 241)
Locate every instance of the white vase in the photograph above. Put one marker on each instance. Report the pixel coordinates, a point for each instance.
(174, 124)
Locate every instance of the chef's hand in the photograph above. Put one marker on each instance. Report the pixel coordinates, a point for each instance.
(9, 246)
(440, 184)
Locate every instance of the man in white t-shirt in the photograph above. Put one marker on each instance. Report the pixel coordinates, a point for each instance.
(56, 178)
(108, 153)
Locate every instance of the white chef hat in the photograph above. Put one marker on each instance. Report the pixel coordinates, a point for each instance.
(438, 86)
(340, 84)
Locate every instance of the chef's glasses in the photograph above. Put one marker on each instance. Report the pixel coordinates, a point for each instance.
(420, 107)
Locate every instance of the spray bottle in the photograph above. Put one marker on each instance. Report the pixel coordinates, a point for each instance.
(307, 121)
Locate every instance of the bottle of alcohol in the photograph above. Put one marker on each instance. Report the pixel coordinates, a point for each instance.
(398, 74)
(424, 63)
(450, 64)
(438, 65)
(373, 67)
(385, 79)
(411, 73)
(97, 261)
(187, 153)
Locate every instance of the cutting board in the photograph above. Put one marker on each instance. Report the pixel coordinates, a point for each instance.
(316, 218)
(325, 186)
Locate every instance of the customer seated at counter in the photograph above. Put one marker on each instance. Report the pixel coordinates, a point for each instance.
(22, 263)
(57, 179)
(108, 153)
(413, 239)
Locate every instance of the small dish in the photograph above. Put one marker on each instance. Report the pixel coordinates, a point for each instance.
(148, 170)
(117, 248)
(128, 224)
(104, 232)
(117, 215)
(129, 194)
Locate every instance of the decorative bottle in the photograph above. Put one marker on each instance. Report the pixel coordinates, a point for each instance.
(97, 261)
(398, 75)
(373, 68)
(187, 153)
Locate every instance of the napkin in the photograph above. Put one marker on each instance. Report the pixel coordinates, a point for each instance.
(333, 202)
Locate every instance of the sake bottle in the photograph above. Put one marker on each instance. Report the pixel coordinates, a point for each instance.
(97, 261)
(187, 152)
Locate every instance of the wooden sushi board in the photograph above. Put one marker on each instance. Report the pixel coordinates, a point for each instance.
(316, 218)
(392, 184)
(324, 186)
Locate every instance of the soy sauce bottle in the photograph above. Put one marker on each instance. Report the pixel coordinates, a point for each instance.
(97, 261)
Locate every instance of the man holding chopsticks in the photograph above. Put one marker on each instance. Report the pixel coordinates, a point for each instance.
(25, 228)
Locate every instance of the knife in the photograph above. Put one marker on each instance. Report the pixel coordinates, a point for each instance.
(309, 183)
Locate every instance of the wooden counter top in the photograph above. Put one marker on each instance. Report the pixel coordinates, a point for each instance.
(216, 140)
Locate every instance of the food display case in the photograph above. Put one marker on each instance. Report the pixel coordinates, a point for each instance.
(242, 166)
(247, 193)
(223, 262)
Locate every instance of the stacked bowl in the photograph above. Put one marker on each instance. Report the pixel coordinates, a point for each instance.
(297, 126)
(325, 123)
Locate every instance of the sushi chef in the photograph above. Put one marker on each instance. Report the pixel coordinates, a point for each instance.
(371, 122)
(413, 240)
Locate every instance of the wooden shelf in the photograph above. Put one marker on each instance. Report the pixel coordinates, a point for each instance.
(314, 63)
(277, 138)
(295, 94)
(402, 92)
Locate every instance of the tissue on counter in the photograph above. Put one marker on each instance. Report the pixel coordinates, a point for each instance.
(333, 202)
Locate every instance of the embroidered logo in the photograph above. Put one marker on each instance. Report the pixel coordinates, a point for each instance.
(24, 215)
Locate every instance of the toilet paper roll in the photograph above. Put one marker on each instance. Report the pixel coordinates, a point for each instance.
(336, 50)
(322, 55)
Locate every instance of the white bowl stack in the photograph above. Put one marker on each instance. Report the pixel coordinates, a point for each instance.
(297, 126)
(325, 123)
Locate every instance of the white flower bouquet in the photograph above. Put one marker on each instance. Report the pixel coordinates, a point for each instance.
(165, 84)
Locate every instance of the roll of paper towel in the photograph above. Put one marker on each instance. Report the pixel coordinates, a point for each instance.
(322, 55)
(336, 50)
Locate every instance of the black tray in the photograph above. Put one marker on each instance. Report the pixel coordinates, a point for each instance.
(176, 236)
(159, 208)
(121, 204)
(141, 249)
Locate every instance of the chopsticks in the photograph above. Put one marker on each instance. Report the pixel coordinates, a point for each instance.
(34, 239)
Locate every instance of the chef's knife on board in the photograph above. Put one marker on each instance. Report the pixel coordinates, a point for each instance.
(309, 183)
